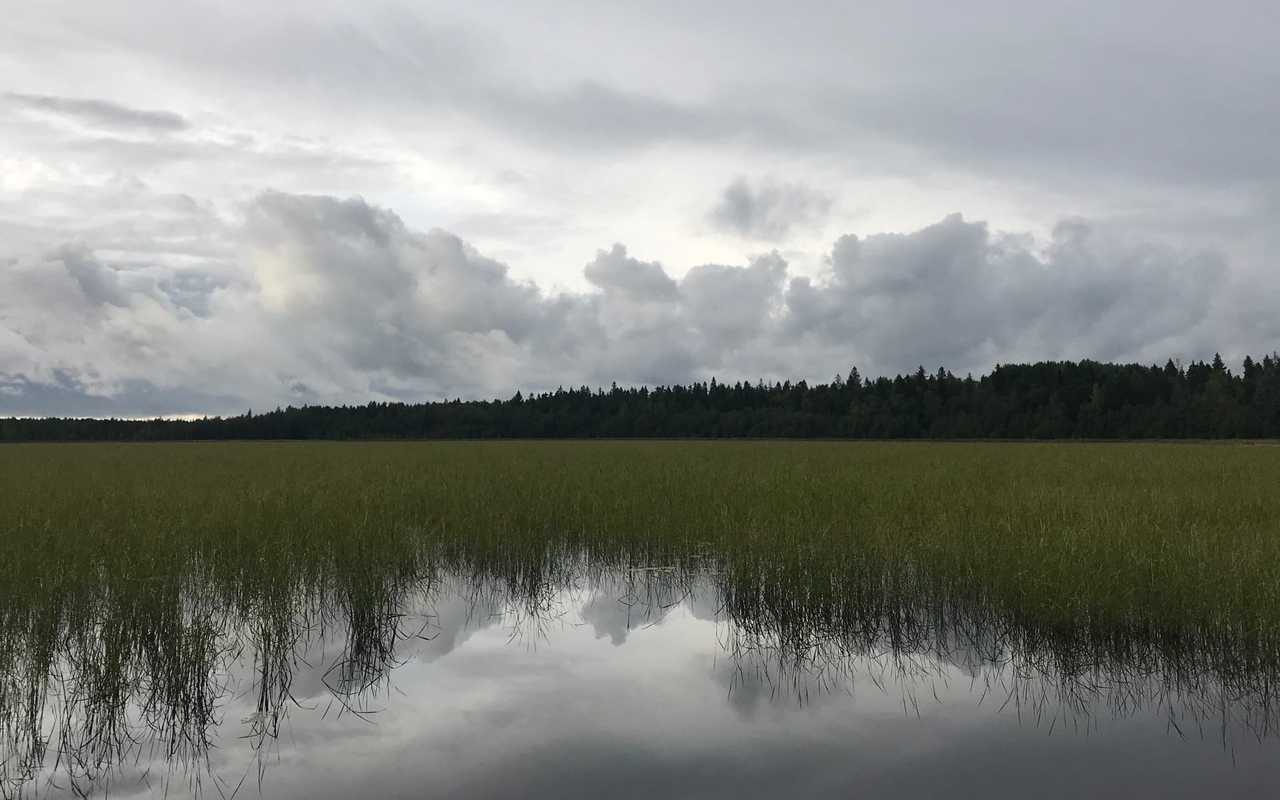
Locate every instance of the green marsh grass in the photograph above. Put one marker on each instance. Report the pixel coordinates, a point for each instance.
(132, 575)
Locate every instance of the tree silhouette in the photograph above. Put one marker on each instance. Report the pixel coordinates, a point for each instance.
(1046, 400)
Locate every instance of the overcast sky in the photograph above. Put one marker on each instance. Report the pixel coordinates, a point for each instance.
(211, 207)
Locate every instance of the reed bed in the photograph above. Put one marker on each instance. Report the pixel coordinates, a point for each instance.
(131, 575)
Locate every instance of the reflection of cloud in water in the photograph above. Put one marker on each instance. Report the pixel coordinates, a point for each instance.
(454, 620)
(618, 606)
(754, 675)
(704, 602)
(580, 717)
(615, 617)
(751, 685)
(698, 705)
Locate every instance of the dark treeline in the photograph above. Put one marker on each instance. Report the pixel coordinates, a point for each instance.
(1048, 400)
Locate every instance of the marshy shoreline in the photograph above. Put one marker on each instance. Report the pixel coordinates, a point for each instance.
(1096, 577)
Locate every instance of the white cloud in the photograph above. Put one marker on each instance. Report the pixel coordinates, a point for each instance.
(336, 300)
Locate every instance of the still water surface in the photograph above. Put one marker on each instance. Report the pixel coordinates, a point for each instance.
(630, 685)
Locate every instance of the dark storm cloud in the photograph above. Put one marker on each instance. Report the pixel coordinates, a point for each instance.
(769, 210)
(101, 113)
(341, 298)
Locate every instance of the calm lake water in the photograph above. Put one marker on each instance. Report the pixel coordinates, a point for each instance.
(640, 684)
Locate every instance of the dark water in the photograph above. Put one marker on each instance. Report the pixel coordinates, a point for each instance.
(637, 684)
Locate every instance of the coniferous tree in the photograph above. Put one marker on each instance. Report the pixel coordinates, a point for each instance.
(1083, 399)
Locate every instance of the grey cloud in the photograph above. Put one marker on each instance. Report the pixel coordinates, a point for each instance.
(399, 61)
(731, 306)
(123, 215)
(1160, 128)
(84, 163)
(101, 113)
(99, 283)
(1084, 107)
(329, 300)
(63, 394)
(590, 114)
(193, 291)
(1038, 92)
(768, 210)
(615, 270)
(954, 294)
(370, 296)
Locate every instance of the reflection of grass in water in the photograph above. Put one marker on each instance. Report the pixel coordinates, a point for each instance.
(130, 574)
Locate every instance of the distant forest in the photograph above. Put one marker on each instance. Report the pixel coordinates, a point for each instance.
(1048, 400)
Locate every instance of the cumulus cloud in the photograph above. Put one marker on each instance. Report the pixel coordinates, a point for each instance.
(615, 271)
(1162, 129)
(768, 210)
(98, 283)
(731, 307)
(321, 299)
(955, 294)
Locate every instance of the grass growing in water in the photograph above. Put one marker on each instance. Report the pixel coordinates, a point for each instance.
(137, 570)
(1174, 534)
